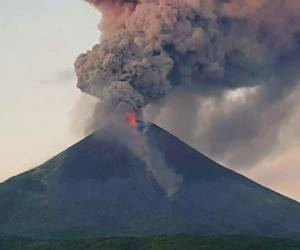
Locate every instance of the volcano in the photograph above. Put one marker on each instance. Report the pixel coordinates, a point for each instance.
(99, 187)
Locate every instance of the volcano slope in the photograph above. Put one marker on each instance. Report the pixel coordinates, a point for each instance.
(99, 187)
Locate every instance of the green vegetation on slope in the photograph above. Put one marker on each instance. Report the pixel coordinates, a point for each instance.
(180, 242)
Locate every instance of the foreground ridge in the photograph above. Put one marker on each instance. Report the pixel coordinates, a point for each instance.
(181, 242)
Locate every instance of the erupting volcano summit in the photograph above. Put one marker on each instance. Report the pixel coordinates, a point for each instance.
(107, 187)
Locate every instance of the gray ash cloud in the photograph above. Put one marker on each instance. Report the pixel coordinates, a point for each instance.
(151, 48)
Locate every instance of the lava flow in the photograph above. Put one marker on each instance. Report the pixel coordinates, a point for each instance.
(132, 119)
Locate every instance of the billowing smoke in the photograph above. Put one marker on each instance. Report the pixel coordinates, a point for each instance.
(209, 48)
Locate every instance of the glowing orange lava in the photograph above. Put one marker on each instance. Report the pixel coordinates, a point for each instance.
(132, 119)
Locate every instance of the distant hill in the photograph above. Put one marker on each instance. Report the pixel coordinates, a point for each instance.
(179, 242)
(99, 187)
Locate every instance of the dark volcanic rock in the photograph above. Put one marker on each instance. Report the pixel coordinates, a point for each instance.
(98, 187)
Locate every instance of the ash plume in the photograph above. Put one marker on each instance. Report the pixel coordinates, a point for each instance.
(150, 48)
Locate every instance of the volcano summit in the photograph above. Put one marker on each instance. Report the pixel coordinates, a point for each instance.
(101, 187)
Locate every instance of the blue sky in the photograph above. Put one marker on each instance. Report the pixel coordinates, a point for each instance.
(40, 40)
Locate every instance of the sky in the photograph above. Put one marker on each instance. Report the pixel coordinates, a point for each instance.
(40, 39)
